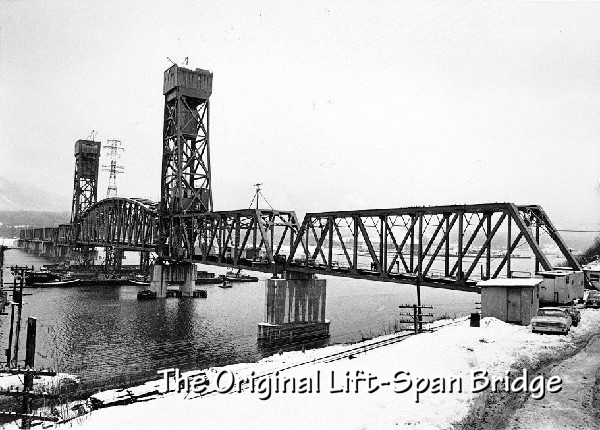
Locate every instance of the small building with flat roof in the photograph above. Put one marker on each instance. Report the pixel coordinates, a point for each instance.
(561, 286)
(513, 300)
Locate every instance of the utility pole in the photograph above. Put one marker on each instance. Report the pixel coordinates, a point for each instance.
(28, 371)
(18, 299)
(416, 316)
(3, 297)
(257, 193)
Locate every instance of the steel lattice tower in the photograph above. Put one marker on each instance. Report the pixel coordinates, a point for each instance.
(185, 176)
(113, 149)
(85, 187)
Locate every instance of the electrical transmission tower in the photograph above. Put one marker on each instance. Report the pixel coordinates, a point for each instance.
(113, 148)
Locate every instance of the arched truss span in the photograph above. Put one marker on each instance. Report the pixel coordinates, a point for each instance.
(129, 223)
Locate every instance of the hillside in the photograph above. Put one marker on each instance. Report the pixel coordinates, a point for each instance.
(17, 196)
(13, 221)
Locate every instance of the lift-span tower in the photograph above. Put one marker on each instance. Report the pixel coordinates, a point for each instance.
(185, 175)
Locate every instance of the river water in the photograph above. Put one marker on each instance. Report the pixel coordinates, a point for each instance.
(100, 333)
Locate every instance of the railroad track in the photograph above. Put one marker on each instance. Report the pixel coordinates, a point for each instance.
(356, 349)
(347, 353)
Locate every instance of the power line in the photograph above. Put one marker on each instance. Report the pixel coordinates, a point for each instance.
(579, 231)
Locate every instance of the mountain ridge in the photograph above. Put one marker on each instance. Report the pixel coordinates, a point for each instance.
(18, 196)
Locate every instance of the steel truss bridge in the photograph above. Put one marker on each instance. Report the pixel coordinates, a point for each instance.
(441, 246)
(450, 247)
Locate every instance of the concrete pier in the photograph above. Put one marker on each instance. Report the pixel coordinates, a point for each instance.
(294, 309)
(165, 275)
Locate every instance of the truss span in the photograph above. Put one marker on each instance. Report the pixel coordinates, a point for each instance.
(448, 246)
(127, 223)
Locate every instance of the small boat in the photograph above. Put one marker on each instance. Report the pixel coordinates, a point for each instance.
(174, 294)
(41, 277)
(65, 283)
(146, 295)
(203, 277)
(205, 281)
(239, 277)
(139, 283)
(200, 294)
(225, 285)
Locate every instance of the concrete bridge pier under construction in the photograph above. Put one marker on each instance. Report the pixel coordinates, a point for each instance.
(294, 309)
(167, 273)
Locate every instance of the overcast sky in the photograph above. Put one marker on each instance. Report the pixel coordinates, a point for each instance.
(332, 105)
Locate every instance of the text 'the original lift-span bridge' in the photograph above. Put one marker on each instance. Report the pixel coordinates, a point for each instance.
(448, 247)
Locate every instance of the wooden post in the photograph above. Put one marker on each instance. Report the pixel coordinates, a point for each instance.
(508, 246)
(488, 255)
(419, 302)
(460, 246)
(537, 240)
(2, 248)
(28, 377)
(10, 335)
(415, 318)
(19, 305)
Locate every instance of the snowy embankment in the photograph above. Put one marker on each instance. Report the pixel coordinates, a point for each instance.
(448, 354)
(40, 383)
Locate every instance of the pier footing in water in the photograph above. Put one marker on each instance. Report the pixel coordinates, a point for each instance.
(164, 275)
(295, 309)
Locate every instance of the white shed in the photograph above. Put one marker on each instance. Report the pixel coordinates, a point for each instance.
(561, 286)
(514, 300)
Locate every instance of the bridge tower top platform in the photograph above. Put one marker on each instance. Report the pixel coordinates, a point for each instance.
(191, 83)
(85, 186)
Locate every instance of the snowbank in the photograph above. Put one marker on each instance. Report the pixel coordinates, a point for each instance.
(40, 383)
(452, 351)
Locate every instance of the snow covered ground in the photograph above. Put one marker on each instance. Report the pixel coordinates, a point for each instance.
(452, 351)
(40, 383)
